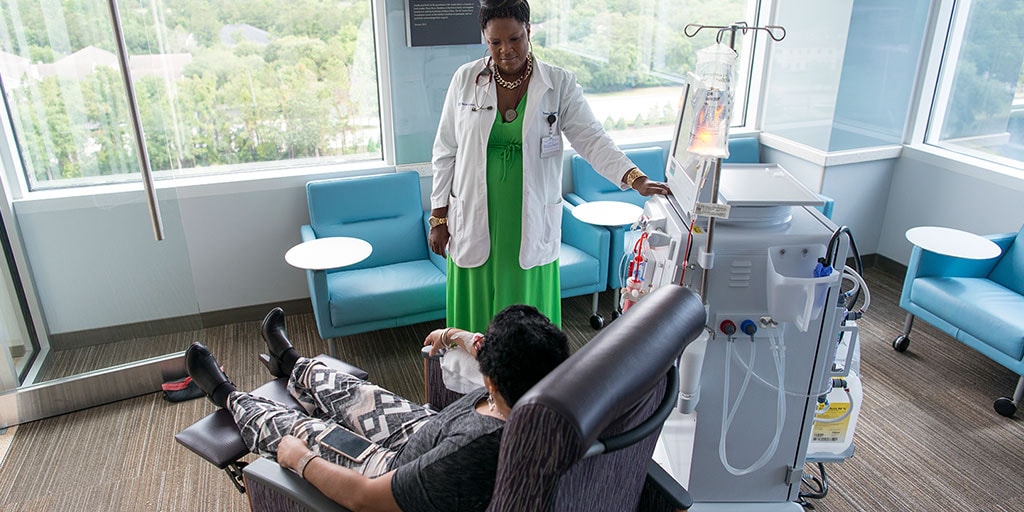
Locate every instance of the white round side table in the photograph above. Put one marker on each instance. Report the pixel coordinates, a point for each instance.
(327, 253)
(953, 242)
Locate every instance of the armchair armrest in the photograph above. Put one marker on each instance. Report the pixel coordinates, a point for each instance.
(574, 199)
(438, 396)
(306, 232)
(588, 238)
(439, 262)
(317, 281)
(1003, 240)
(273, 488)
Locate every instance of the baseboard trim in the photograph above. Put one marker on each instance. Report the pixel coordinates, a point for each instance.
(61, 396)
(85, 338)
(889, 266)
(254, 313)
(102, 335)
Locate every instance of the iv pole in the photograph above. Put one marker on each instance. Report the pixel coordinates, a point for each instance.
(691, 30)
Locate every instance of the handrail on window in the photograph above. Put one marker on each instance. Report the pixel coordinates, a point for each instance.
(133, 109)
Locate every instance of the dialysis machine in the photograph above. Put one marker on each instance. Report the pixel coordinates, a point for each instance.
(750, 386)
(769, 268)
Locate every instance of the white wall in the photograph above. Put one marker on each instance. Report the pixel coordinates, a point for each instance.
(237, 240)
(859, 187)
(880, 200)
(929, 190)
(95, 262)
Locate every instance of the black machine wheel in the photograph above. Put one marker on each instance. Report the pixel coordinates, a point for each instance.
(901, 343)
(597, 321)
(1005, 407)
(616, 314)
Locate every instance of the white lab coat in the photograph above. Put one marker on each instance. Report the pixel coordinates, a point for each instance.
(460, 160)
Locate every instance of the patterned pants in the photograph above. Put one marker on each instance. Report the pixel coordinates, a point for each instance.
(331, 399)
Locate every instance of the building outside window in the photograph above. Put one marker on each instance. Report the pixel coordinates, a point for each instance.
(243, 86)
(978, 108)
(631, 56)
(221, 86)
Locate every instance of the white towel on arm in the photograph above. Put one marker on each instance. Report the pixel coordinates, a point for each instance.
(460, 371)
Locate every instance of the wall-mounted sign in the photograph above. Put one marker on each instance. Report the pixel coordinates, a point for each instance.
(442, 22)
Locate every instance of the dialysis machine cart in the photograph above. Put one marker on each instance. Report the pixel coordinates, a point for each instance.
(769, 268)
(750, 385)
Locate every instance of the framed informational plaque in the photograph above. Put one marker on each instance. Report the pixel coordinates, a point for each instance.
(442, 22)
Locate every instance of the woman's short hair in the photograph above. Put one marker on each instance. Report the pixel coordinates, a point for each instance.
(520, 347)
(515, 9)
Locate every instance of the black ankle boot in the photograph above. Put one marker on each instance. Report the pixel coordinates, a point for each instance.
(206, 373)
(282, 355)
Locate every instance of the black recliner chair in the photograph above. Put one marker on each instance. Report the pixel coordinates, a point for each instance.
(215, 437)
(581, 439)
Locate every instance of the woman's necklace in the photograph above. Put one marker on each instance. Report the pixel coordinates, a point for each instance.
(511, 114)
(519, 81)
(493, 407)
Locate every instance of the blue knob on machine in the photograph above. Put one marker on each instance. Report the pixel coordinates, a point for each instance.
(748, 327)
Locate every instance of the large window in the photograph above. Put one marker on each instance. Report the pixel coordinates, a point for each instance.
(221, 86)
(979, 103)
(227, 86)
(631, 56)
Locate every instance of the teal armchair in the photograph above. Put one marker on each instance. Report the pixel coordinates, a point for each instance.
(583, 261)
(399, 283)
(980, 303)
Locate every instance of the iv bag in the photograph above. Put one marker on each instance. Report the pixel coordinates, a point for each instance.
(711, 99)
(716, 66)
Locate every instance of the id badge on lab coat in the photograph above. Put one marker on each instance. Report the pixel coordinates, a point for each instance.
(551, 145)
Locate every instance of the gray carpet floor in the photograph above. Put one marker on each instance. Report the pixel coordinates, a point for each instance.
(927, 438)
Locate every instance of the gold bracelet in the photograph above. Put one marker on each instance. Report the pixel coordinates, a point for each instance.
(633, 175)
(445, 340)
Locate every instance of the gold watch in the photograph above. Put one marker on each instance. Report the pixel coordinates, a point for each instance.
(437, 221)
(631, 176)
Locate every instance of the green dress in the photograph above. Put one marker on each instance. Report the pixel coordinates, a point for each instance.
(475, 295)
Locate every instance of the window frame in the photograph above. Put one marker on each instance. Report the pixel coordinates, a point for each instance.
(750, 77)
(18, 187)
(948, 29)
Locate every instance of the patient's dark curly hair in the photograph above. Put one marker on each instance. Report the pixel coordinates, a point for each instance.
(520, 347)
(516, 9)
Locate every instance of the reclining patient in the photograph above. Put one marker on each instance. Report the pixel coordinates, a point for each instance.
(369, 449)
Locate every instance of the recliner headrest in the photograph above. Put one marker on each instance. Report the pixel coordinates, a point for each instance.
(621, 365)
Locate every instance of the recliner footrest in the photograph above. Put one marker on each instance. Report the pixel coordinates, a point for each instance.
(215, 437)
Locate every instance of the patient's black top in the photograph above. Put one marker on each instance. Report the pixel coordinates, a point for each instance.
(449, 464)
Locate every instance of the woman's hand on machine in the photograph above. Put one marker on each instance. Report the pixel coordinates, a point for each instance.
(646, 187)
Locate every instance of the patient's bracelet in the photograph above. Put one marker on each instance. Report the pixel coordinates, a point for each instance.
(300, 467)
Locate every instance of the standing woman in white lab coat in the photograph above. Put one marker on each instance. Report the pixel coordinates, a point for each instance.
(496, 204)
